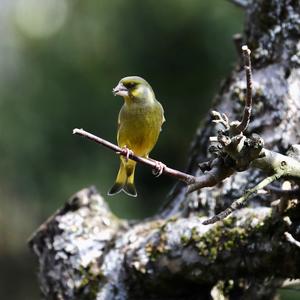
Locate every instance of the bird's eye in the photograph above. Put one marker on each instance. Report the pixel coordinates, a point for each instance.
(130, 85)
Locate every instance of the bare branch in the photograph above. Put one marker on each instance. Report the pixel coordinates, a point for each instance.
(217, 170)
(220, 118)
(248, 102)
(291, 239)
(242, 200)
(210, 178)
(188, 179)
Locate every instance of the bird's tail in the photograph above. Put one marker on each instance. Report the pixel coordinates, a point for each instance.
(125, 179)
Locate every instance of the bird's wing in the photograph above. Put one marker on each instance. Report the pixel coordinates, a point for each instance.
(118, 129)
(119, 122)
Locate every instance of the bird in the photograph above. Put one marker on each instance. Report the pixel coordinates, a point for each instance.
(139, 125)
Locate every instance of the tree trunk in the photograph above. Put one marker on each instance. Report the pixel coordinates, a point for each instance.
(85, 252)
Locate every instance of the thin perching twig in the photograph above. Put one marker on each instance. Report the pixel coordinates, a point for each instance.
(242, 200)
(188, 179)
(248, 101)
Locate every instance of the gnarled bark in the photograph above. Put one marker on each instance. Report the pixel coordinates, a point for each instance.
(85, 252)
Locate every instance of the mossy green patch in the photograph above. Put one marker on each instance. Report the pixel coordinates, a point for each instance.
(90, 283)
(225, 236)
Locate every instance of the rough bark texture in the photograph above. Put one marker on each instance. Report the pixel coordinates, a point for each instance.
(85, 252)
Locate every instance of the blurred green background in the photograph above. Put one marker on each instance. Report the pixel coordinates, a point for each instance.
(59, 60)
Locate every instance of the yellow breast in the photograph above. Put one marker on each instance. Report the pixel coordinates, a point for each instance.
(139, 127)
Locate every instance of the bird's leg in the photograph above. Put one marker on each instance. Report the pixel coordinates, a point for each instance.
(126, 152)
(158, 168)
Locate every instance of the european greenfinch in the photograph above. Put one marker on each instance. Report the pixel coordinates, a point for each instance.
(139, 124)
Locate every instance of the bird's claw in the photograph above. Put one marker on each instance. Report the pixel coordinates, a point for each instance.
(158, 168)
(126, 152)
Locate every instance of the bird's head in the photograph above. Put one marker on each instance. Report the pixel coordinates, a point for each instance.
(134, 88)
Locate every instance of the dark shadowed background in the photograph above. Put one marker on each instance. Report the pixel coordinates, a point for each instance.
(59, 60)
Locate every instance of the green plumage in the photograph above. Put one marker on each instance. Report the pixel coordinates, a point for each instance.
(139, 125)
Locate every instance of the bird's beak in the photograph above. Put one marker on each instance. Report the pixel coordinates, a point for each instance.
(120, 90)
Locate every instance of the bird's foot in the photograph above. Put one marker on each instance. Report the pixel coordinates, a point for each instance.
(158, 168)
(126, 152)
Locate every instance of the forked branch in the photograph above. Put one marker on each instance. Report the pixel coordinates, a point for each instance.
(248, 101)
